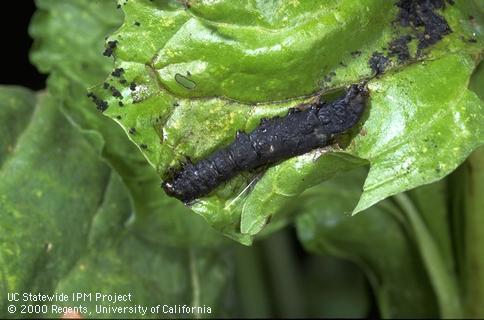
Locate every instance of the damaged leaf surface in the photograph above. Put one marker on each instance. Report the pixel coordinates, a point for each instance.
(188, 75)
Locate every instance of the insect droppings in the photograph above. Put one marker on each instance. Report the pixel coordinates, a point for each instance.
(111, 45)
(118, 72)
(101, 105)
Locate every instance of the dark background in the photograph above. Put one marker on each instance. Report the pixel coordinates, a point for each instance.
(15, 45)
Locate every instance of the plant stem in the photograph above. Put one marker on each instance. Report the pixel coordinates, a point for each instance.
(252, 284)
(195, 281)
(473, 246)
(284, 272)
(443, 280)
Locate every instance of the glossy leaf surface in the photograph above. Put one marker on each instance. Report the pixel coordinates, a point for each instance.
(189, 75)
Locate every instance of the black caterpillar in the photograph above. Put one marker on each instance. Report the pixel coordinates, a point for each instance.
(273, 140)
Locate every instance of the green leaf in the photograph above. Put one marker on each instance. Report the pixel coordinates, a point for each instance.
(185, 99)
(70, 226)
(432, 126)
(120, 261)
(17, 108)
(465, 188)
(442, 276)
(328, 229)
(137, 233)
(68, 39)
(62, 183)
(186, 133)
(380, 241)
(260, 41)
(74, 61)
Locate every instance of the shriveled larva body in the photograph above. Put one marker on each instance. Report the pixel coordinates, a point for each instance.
(272, 141)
